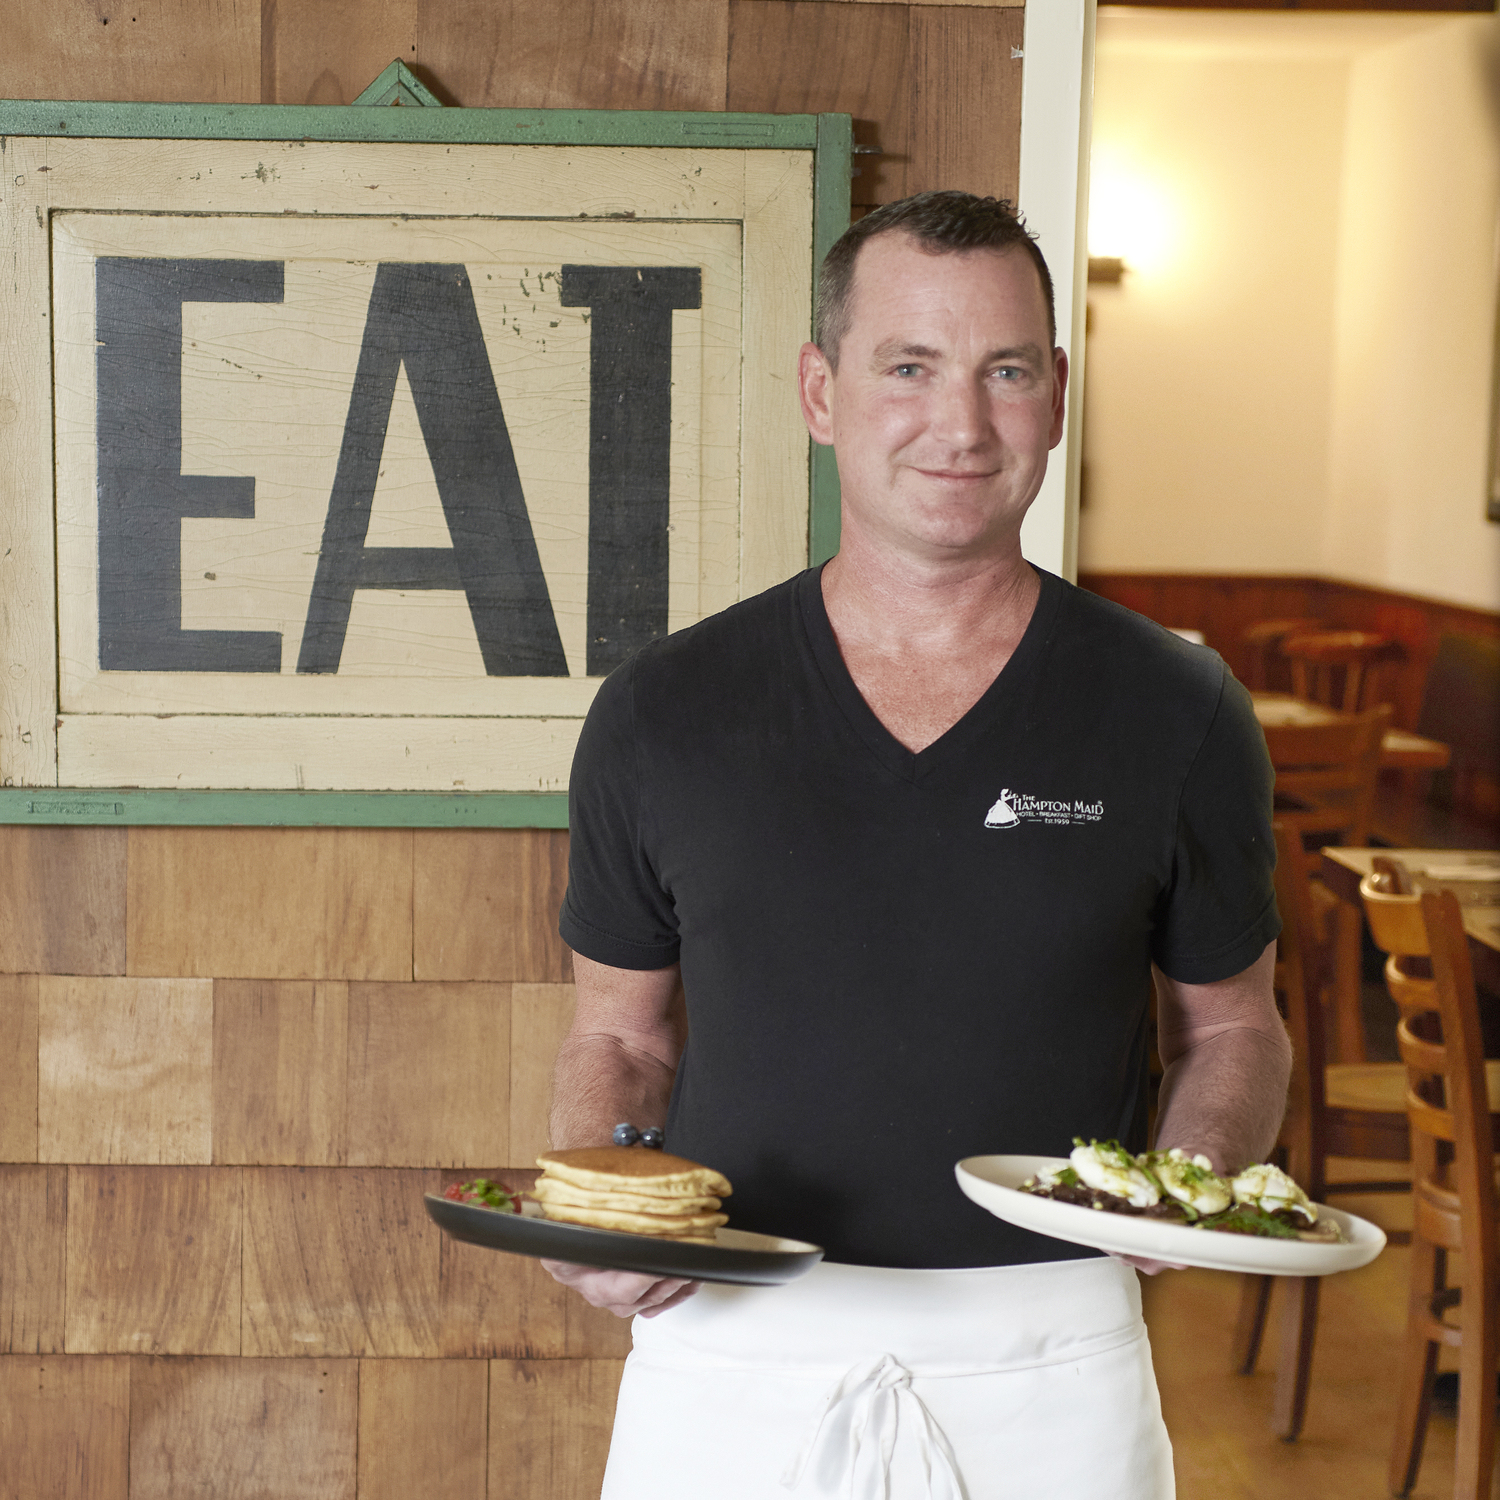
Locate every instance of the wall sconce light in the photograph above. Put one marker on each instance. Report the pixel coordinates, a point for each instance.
(1133, 220)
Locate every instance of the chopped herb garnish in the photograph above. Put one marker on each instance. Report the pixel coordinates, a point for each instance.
(486, 1192)
(1244, 1218)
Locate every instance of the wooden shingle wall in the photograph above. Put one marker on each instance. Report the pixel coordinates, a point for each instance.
(216, 1274)
(231, 1061)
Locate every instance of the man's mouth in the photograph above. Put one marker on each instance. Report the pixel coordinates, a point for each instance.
(963, 475)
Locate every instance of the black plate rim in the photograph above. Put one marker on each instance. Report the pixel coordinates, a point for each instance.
(613, 1250)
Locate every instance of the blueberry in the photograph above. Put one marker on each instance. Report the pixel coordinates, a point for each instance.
(652, 1137)
(626, 1135)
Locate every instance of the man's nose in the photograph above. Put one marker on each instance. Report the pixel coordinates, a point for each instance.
(962, 415)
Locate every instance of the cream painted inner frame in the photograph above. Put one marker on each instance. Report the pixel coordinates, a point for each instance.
(424, 724)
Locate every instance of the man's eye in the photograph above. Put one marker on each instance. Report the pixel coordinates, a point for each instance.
(908, 370)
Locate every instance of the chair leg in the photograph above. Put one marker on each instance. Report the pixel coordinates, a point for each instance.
(1474, 1455)
(1418, 1366)
(1299, 1327)
(1348, 1016)
(1250, 1323)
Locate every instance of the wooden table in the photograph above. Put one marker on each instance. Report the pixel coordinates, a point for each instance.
(1400, 747)
(1473, 875)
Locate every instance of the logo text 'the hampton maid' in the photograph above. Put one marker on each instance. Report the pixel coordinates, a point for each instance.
(1013, 808)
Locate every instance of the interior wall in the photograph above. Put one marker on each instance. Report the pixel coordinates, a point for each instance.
(1294, 376)
(1210, 364)
(1416, 318)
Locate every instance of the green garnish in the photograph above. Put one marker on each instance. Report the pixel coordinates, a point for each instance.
(1113, 1148)
(483, 1190)
(1248, 1219)
(1148, 1172)
(1195, 1174)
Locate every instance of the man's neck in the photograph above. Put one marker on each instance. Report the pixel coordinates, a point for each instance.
(924, 637)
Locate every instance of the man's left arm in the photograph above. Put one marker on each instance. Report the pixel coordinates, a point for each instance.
(1226, 1062)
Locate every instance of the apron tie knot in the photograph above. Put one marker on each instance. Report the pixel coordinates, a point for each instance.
(865, 1413)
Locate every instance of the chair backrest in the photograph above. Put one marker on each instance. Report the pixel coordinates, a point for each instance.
(1260, 645)
(1319, 658)
(1447, 1104)
(1326, 773)
(1299, 983)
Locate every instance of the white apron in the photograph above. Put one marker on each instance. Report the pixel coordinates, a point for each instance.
(864, 1383)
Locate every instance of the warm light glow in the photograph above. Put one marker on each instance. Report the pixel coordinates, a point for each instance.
(1130, 215)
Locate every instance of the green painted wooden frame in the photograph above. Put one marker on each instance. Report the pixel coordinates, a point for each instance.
(421, 118)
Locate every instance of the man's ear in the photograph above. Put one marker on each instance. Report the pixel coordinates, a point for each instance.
(814, 386)
(1059, 395)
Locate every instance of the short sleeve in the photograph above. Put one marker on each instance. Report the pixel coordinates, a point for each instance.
(1220, 910)
(615, 911)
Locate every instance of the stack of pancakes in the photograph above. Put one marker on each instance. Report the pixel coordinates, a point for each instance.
(632, 1189)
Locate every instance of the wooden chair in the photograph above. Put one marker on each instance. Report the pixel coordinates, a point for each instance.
(1261, 643)
(1325, 791)
(1351, 1110)
(1451, 1096)
(1349, 658)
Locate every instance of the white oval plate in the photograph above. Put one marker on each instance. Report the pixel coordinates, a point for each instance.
(993, 1183)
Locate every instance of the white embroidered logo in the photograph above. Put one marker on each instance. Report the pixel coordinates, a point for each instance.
(1013, 808)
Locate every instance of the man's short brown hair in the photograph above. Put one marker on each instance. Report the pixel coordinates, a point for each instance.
(941, 222)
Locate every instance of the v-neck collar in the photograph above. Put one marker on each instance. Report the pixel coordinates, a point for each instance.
(999, 696)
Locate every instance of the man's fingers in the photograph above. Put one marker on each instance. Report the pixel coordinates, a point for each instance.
(624, 1293)
(1149, 1267)
(602, 1287)
(684, 1290)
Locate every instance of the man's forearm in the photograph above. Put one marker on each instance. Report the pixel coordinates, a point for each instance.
(598, 1082)
(617, 1063)
(1225, 1096)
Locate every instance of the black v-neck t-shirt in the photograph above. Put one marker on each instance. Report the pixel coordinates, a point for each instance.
(893, 960)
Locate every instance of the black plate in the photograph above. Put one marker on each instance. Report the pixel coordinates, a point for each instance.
(738, 1257)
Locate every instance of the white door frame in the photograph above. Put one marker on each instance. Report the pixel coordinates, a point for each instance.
(1057, 97)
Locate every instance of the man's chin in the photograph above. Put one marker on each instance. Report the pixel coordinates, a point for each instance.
(961, 535)
(944, 531)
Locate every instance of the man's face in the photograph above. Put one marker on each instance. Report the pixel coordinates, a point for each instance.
(947, 397)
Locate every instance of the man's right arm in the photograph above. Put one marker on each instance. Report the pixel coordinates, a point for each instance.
(618, 1062)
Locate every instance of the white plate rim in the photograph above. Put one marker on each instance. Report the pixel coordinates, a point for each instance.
(991, 1181)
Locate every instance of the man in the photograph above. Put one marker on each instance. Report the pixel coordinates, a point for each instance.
(901, 840)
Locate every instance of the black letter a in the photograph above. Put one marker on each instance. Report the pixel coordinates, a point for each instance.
(423, 316)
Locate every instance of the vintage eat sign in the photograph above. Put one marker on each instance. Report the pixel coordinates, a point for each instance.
(353, 464)
(421, 322)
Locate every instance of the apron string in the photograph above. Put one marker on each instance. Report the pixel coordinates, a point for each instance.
(880, 1405)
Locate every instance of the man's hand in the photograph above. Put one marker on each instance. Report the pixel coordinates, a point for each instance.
(624, 1293)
